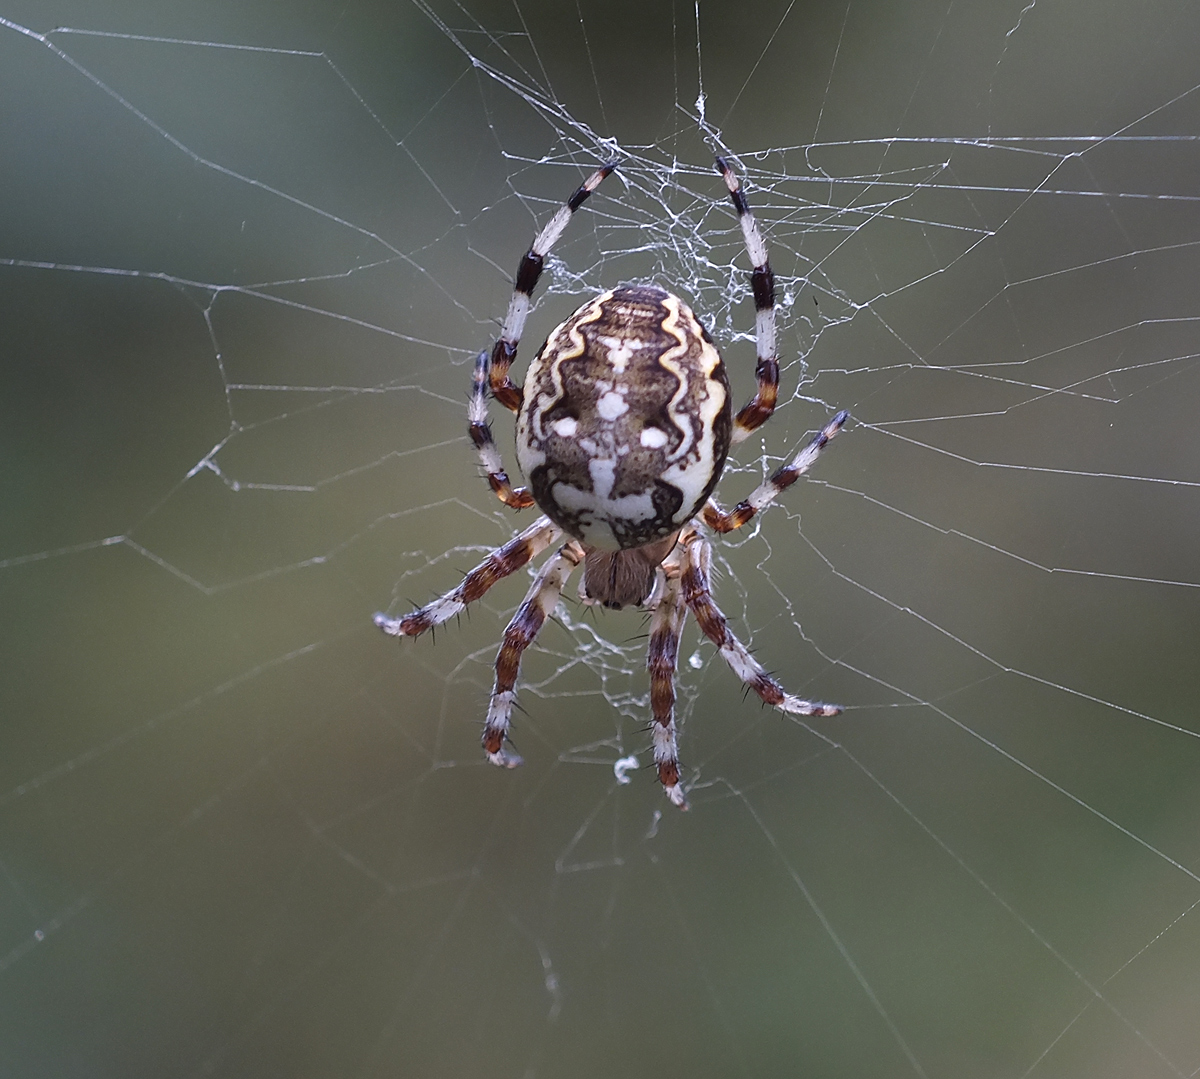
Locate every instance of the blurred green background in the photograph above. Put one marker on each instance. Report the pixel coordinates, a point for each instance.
(248, 252)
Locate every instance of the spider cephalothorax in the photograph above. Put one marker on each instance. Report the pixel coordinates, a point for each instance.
(623, 427)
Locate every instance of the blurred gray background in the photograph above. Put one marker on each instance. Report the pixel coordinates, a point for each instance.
(248, 252)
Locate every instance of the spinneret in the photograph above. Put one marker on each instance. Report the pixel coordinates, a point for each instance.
(624, 424)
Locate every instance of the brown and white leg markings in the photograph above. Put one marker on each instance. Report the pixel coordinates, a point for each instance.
(499, 564)
(762, 283)
(538, 605)
(779, 481)
(697, 594)
(480, 431)
(666, 626)
(505, 349)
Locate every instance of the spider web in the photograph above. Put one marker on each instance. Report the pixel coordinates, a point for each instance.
(249, 254)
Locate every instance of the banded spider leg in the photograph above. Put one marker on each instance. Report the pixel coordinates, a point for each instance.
(697, 593)
(504, 351)
(491, 372)
(538, 605)
(778, 482)
(687, 586)
(516, 553)
(662, 661)
(762, 283)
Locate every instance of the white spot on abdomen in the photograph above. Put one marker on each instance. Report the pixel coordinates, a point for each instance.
(620, 352)
(653, 438)
(611, 406)
(598, 508)
(602, 477)
(566, 427)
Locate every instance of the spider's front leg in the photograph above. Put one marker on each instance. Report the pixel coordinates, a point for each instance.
(778, 482)
(538, 605)
(697, 593)
(662, 660)
(499, 564)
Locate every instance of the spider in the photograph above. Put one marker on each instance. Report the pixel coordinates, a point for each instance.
(623, 427)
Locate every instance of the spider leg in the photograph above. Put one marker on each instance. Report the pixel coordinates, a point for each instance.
(480, 431)
(582, 596)
(666, 626)
(537, 606)
(498, 565)
(762, 282)
(778, 482)
(505, 349)
(658, 589)
(697, 593)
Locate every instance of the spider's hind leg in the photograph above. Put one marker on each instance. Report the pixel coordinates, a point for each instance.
(480, 430)
(537, 606)
(762, 283)
(504, 351)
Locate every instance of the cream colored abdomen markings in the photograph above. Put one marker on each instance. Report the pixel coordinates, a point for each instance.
(625, 421)
(693, 465)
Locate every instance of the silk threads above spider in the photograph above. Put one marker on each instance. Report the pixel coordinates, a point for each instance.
(624, 425)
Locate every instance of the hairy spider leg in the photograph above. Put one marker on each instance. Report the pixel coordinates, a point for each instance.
(538, 605)
(697, 593)
(480, 430)
(662, 660)
(528, 272)
(762, 283)
(778, 482)
(499, 564)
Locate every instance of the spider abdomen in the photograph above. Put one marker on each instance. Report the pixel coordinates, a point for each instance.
(625, 420)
